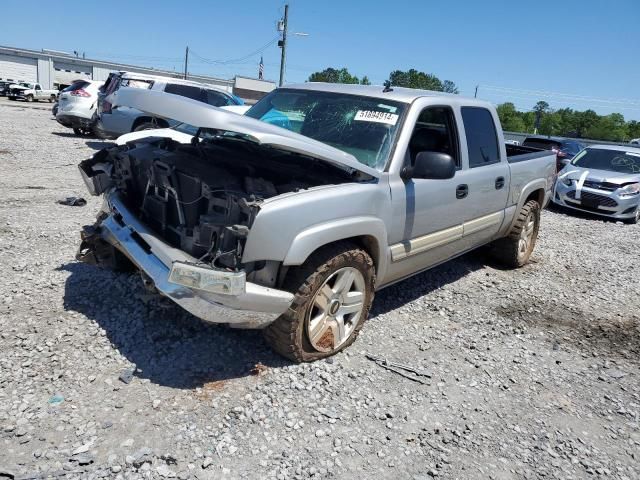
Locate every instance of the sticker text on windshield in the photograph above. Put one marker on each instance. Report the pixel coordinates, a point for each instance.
(377, 117)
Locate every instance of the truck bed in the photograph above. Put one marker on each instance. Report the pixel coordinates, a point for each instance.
(520, 153)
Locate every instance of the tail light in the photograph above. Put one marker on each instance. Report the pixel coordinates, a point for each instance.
(80, 93)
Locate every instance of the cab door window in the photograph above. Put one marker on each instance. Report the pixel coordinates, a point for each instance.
(482, 136)
(435, 131)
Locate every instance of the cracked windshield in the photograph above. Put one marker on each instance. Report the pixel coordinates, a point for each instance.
(363, 127)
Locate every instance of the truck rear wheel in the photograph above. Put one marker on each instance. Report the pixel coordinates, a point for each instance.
(516, 248)
(333, 292)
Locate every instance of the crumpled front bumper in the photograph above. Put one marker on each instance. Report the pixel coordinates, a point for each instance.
(609, 204)
(255, 308)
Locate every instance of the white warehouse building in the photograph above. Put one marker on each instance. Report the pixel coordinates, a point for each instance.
(54, 69)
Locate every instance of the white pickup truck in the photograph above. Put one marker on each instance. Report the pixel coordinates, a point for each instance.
(291, 216)
(30, 92)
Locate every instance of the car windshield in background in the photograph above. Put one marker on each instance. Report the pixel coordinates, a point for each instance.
(611, 160)
(364, 127)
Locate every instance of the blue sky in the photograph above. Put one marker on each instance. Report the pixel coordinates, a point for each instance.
(582, 54)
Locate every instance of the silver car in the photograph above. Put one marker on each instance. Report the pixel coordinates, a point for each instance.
(116, 120)
(602, 179)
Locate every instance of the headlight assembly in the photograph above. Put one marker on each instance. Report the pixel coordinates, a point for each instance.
(630, 190)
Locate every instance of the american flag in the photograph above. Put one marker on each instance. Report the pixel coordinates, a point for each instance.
(261, 69)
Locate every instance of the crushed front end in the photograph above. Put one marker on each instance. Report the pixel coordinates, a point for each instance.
(183, 223)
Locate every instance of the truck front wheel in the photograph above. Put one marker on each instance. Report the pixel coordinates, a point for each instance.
(29, 98)
(516, 248)
(333, 292)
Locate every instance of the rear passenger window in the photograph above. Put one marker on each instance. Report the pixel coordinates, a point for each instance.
(195, 93)
(482, 137)
(217, 99)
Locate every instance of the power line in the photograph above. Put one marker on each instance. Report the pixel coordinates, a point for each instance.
(238, 60)
(567, 96)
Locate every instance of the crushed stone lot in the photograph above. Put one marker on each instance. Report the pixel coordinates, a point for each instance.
(530, 373)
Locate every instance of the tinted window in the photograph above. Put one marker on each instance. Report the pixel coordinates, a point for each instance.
(76, 86)
(195, 93)
(482, 138)
(218, 99)
(571, 147)
(435, 131)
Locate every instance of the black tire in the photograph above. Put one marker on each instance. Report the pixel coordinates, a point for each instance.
(78, 131)
(146, 126)
(288, 334)
(29, 98)
(507, 250)
(634, 220)
(52, 98)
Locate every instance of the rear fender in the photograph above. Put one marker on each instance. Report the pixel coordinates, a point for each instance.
(520, 196)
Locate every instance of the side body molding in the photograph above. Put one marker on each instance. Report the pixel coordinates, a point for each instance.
(316, 236)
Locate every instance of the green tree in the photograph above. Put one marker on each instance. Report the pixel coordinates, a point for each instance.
(414, 79)
(365, 81)
(334, 75)
(449, 87)
(541, 106)
(510, 118)
(633, 129)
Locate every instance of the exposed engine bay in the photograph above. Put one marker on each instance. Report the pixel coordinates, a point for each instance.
(203, 198)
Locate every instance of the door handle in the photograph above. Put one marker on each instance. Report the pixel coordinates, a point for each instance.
(462, 190)
(499, 183)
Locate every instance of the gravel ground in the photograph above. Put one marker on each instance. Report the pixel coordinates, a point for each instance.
(531, 373)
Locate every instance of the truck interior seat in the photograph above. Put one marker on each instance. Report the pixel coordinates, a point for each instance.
(426, 139)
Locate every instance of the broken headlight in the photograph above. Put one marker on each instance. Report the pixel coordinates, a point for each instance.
(629, 190)
(567, 181)
(201, 277)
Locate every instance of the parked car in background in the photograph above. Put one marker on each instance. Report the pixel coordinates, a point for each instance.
(602, 179)
(77, 106)
(181, 132)
(31, 92)
(565, 149)
(292, 229)
(635, 141)
(115, 121)
(4, 88)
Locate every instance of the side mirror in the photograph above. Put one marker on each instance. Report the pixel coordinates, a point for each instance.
(430, 165)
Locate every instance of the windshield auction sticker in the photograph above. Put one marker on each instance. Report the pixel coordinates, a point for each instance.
(376, 117)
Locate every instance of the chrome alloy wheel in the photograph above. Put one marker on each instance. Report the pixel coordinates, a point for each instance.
(336, 309)
(526, 234)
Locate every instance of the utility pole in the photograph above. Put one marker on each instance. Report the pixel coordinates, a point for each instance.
(283, 43)
(186, 62)
(475, 95)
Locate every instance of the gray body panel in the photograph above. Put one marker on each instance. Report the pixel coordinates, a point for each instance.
(407, 226)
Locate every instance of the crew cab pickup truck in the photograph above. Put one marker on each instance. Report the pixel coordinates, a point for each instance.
(289, 217)
(30, 92)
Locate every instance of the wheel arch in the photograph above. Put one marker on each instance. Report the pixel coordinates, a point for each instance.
(367, 232)
(161, 122)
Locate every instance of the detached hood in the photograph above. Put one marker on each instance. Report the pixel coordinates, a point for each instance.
(600, 176)
(19, 87)
(201, 115)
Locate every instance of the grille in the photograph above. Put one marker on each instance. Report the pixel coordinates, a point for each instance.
(593, 199)
(609, 187)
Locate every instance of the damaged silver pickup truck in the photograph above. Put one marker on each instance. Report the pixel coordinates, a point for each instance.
(289, 217)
